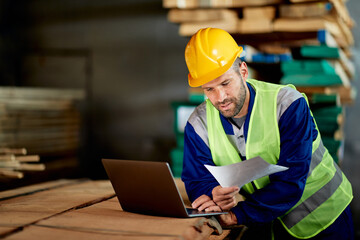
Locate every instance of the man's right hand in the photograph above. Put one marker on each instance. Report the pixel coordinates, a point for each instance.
(205, 203)
(223, 200)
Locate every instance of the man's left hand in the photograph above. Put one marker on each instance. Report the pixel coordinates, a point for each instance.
(205, 203)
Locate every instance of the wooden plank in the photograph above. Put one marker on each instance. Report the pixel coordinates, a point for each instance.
(274, 49)
(26, 123)
(55, 148)
(228, 23)
(22, 166)
(180, 3)
(217, 3)
(313, 24)
(347, 64)
(255, 13)
(196, 15)
(9, 173)
(33, 113)
(35, 188)
(302, 10)
(346, 94)
(38, 232)
(343, 12)
(11, 127)
(42, 143)
(304, 25)
(45, 233)
(44, 133)
(12, 157)
(10, 164)
(28, 209)
(341, 72)
(19, 151)
(344, 30)
(251, 26)
(31, 104)
(243, 3)
(46, 146)
(302, 1)
(107, 217)
(41, 93)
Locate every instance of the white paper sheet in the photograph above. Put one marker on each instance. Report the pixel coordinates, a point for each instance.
(239, 174)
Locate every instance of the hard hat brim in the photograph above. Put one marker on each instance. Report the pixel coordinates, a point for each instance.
(197, 82)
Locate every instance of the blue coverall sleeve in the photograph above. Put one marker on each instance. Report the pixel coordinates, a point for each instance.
(198, 180)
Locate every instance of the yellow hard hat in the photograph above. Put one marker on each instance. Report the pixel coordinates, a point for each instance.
(209, 54)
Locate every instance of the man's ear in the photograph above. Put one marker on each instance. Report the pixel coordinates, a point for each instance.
(244, 70)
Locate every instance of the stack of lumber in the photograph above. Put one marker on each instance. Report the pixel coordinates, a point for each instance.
(44, 121)
(14, 161)
(279, 30)
(306, 43)
(262, 16)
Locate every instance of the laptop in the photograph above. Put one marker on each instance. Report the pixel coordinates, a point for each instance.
(148, 188)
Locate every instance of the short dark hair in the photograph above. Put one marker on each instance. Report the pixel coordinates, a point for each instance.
(236, 65)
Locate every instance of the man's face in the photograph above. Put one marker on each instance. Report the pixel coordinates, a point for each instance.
(227, 93)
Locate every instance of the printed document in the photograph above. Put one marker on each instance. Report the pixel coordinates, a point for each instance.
(241, 173)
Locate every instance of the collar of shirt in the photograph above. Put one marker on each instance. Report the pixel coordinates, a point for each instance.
(228, 125)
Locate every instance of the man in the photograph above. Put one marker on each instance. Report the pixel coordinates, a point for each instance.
(245, 118)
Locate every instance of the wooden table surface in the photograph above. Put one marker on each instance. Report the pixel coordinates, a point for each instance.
(85, 209)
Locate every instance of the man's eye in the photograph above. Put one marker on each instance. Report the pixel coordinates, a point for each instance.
(209, 89)
(225, 83)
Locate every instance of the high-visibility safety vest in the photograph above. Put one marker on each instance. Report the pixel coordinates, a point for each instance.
(327, 191)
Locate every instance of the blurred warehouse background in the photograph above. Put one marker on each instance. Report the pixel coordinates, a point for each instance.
(88, 79)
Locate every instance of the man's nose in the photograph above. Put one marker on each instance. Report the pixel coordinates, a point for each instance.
(221, 95)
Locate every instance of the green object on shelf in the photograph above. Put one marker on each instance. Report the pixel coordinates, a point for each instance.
(331, 144)
(326, 120)
(312, 80)
(320, 51)
(182, 111)
(176, 156)
(328, 128)
(323, 98)
(307, 66)
(180, 140)
(333, 111)
(335, 157)
(197, 97)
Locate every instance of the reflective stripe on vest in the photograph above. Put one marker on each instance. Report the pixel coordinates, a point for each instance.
(319, 206)
(313, 202)
(327, 191)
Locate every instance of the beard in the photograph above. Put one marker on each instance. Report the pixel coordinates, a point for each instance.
(237, 101)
